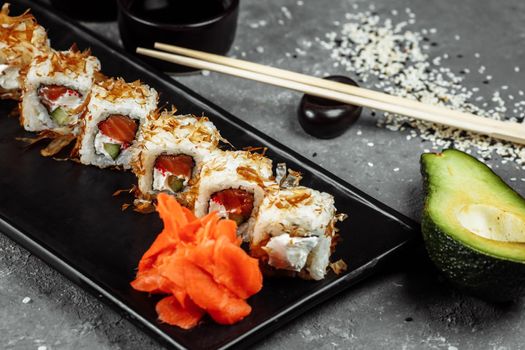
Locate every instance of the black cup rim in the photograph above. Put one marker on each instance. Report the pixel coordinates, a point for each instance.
(230, 9)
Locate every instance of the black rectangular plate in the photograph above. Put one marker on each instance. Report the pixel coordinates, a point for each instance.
(65, 213)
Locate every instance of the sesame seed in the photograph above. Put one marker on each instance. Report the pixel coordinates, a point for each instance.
(391, 55)
(396, 169)
(370, 164)
(26, 300)
(286, 12)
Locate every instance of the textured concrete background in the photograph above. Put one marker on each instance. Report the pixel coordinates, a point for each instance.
(407, 306)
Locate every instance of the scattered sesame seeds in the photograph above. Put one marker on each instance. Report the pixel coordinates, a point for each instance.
(286, 12)
(26, 300)
(396, 58)
(258, 24)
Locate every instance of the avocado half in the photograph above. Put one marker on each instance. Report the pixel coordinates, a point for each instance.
(473, 225)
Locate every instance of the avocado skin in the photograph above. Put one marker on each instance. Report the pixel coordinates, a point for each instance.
(490, 278)
(476, 273)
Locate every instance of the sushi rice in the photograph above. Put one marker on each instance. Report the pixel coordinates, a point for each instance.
(290, 228)
(167, 133)
(109, 97)
(294, 230)
(71, 69)
(250, 172)
(21, 39)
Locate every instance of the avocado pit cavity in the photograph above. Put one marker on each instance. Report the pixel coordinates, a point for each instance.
(492, 223)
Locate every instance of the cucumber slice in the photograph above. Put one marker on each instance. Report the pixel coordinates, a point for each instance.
(238, 218)
(60, 116)
(175, 183)
(113, 149)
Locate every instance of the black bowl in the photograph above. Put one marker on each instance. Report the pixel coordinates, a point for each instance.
(326, 119)
(196, 29)
(93, 10)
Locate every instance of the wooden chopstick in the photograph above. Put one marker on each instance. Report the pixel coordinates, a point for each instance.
(323, 83)
(508, 131)
(301, 78)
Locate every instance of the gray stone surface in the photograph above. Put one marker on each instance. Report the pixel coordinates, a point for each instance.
(407, 306)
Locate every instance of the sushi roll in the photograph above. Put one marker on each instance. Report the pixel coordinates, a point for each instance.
(21, 39)
(111, 124)
(171, 154)
(233, 184)
(294, 231)
(56, 91)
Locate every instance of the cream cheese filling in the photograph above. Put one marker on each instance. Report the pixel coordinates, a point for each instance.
(161, 180)
(100, 140)
(289, 253)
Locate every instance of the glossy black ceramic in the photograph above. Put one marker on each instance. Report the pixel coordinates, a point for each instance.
(65, 213)
(88, 10)
(213, 35)
(326, 119)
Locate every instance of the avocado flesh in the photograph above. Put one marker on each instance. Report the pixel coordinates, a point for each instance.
(60, 116)
(474, 225)
(175, 183)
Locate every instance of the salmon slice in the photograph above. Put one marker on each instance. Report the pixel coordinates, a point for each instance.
(235, 270)
(219, 302)
(237, 203)
(120, 128)
(172, 312)
(50, 93)
(180, 164)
